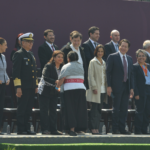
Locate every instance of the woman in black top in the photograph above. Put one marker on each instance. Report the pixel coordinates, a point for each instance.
(17, 46)
(48, 94)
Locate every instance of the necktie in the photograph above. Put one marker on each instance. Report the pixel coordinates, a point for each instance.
(53, 48)
(95, 44)
(125, 69)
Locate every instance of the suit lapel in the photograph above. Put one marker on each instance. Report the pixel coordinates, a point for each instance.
(49, 50)
(141, 70)
(120, 62)
(91, 47)
(112, 46)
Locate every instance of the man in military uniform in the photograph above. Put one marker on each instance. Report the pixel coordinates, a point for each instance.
(25, 81)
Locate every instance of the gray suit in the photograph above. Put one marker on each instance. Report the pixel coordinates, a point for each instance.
(3, 65)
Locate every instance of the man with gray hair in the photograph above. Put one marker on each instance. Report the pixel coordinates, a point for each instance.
(112, 46)
(146, 47)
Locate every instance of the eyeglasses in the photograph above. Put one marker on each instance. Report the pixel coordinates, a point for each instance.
(31, 42)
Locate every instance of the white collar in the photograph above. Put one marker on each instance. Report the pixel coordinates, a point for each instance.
(74, 48)
(92, 41)
(99, 61)
(122, 54)
(49, 44)
(114, 42)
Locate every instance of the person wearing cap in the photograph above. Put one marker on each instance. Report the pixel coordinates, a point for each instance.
(17, 46)
(25, 82)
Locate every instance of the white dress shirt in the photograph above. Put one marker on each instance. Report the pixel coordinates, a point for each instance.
(93, 42)
(50, 46)
(115, 45)
(78, 52)
(148, 53)
(121, 56)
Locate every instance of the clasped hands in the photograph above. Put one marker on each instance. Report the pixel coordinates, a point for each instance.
(59, 83)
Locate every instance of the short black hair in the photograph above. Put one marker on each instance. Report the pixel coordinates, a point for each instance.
(76, 35)
(126, 41)
(46, 32)
(92, 30)
(73, 56)
(2, 40)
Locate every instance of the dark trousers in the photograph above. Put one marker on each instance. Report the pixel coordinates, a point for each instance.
(62, 111)
(24, 110)
(48, 113)
(95, 114)
(142, 111)
(120, 108)
(2, 98)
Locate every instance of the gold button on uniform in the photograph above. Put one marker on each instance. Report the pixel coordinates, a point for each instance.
(32, 70)
(32, 76)
(28, 59)
(32, 65)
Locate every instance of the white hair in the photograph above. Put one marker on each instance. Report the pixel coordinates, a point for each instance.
(114, 31)
(146, 44)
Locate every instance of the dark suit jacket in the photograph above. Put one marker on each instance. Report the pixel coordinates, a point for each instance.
(89, 51)
(66, 50)
(50, 75)
(109, 49)
(115, 72)
(45, 54)
(139, 80)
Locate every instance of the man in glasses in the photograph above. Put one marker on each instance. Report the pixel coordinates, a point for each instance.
(46, 50)
(25, 82)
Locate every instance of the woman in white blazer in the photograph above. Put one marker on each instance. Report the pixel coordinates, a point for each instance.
(4, 79)
(96, 94)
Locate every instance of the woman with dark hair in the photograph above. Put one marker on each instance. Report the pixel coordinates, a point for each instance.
(74, 94)
(4, 79)
(17, 46)
(48, 94)
(97, 87)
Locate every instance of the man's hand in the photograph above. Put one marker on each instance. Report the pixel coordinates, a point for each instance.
(137, 97)
(0, 82)
(95, 91)
(109, 91)
(131, 93)
(19, 92)
(60, 82)
(7, 83)
(36, 90)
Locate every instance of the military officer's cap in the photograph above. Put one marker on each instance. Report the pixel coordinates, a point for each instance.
(27, 36)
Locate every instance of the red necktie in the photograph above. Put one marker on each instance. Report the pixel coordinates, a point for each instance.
(125, 69)
(53, 48)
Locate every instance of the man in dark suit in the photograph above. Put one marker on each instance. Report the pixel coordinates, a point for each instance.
(45, 51)
(90, 45)
(25, 82)
(112, 46)
(119, 71)
(141, 72)
(75, 46)
(146, 47)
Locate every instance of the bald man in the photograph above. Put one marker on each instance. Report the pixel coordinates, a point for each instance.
(112, 46)
(146, 47)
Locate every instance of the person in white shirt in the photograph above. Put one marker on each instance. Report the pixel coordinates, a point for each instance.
(97, 88)
(146, 47)
(46, 50)
(112, 46)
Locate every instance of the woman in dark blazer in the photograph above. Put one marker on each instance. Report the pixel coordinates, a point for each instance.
(17, 46)
(48, 94)
(4, 79)
(142, 92)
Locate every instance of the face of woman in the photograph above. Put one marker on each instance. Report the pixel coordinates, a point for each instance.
(59, 59)
(3, 47)
(141, 58)
(100, 53)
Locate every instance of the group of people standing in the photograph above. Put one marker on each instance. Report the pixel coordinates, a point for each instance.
(79, 73)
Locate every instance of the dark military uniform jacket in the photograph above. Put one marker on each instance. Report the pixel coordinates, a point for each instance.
(24, 69)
